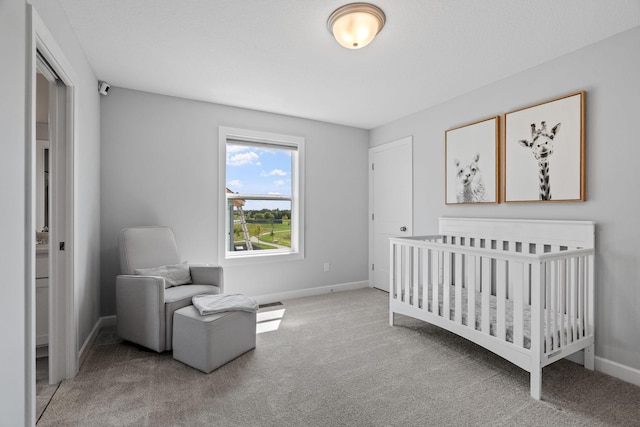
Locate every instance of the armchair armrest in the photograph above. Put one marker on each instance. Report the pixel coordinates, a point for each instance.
(140, 310)
(207, 275)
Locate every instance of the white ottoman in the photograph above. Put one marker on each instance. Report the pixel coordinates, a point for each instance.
(208, 342)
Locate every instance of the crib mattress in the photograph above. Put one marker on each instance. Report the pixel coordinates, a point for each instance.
(493, 309)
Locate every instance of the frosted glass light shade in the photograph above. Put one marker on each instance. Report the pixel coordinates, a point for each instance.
(356, 24)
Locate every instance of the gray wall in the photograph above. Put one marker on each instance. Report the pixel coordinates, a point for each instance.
(160, 166)
(12, 213)
(16, 239)
(608, 71)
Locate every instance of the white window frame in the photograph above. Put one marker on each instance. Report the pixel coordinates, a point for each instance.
(226, 134)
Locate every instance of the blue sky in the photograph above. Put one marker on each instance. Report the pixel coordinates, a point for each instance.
(255, 170)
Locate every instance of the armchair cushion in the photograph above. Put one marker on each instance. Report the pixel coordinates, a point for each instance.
(174, 275)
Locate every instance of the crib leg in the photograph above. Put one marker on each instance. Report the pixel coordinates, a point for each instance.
(536, 383)
(390, 318)
(589, 357)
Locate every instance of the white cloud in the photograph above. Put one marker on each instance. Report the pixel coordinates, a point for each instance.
(235, 183)
(236, 148)
(242, 159)
(279, 182)
(275, 172)
(273, 193)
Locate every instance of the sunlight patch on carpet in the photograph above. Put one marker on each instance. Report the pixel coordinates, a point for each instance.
(269, 321)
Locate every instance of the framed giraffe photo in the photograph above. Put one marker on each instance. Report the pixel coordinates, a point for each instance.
(471, 162)
(545, 151)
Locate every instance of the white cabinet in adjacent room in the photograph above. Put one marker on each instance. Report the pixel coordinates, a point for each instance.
(42, 296)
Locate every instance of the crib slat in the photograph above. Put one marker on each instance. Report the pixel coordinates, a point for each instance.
(404, 272)
(518, 279)
(485, 287)
(406, 276)
(426, 287)
(394, 270)
(547, 306)
(435, 275)
(472, 274)
(424, 278)
(501, 297)
(401, 272)
(573, 295)
(554, 305)
(562, 284)
(446, 285)
(459, 259)
(510, 247)
(581, 299)
(551, 298)
(415, 276)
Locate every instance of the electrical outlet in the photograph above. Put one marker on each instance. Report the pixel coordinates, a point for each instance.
(327, 266)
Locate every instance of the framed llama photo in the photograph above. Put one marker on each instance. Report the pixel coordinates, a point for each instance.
(471, 163)
(545, 151)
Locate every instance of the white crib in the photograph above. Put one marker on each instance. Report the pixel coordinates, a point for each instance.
(526, 285)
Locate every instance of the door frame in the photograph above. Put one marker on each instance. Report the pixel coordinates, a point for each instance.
(372, 151)
(63, 336)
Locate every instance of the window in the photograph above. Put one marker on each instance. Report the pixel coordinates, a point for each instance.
(261, 201)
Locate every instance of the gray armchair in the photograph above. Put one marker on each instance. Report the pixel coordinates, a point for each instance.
(145, 303)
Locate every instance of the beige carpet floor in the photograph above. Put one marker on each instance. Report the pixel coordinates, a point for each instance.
(335, 361)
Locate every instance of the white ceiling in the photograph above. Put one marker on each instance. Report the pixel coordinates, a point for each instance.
(277, 55)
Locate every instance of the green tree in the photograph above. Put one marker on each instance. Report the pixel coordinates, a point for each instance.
(257, 231)
(269, 217)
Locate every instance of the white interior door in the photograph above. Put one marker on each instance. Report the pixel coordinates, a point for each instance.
(62, 332)
(391, 189)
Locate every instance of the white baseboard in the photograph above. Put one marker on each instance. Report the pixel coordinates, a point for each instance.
(609, 367)
(101, 323)
(108, 321)
(301, 293)
(617, 370)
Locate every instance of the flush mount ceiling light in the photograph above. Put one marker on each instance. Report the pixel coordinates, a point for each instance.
(354, 25)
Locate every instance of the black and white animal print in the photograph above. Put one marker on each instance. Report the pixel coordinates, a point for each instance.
(469, 185)
(541, 145)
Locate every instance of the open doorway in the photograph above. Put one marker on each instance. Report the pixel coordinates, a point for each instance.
(51, 320)
(45, 388)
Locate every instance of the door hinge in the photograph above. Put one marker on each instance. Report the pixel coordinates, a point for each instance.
(372, 217)
(372, 167)
(61, 246)
(373, 267)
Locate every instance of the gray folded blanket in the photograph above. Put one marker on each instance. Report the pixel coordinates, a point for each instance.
(210, 304)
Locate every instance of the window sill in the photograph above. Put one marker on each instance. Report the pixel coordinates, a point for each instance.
(239, 259)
